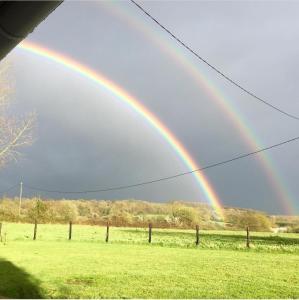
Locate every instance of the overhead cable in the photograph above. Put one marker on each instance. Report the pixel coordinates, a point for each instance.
(232, 81)
(210, 166)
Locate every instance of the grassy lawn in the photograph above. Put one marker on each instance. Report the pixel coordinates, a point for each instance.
(222, 240)
(128, 267)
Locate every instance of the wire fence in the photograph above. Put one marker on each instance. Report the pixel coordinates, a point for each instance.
(192, 238)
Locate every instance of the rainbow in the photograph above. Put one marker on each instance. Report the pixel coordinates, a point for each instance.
(137, 106)
(179, 55)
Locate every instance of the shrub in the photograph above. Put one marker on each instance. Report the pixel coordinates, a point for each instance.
(186, 216)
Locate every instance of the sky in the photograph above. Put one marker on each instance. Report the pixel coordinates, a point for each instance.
(86, 138)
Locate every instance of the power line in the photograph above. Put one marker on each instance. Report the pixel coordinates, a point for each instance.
(9, 189)
(217, 164)
(212, 66)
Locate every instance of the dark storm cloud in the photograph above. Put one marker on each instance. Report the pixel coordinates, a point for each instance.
(87, 139)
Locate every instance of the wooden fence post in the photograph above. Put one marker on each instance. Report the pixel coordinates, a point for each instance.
(247, 237)
(150, 226)
(70, 230)
(107, 233)
(35, 230)
(197, 235)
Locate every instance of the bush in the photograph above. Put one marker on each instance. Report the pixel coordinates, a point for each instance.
(9, 210)
(185, 216)
(293, 229)
(239, 219)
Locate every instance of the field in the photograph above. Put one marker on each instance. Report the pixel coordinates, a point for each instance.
(128, 267)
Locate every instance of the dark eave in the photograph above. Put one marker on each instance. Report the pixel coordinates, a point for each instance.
(19, 18)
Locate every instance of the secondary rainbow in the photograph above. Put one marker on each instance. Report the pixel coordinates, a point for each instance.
(179, 55)
(137, 106)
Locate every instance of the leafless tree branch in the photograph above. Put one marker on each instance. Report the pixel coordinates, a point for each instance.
(15, 133)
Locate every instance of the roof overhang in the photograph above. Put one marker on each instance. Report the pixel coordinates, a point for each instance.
(19, 18)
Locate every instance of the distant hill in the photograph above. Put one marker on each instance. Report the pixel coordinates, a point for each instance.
(139, 213)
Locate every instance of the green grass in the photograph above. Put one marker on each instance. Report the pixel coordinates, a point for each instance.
(128, 267)
(222, 240)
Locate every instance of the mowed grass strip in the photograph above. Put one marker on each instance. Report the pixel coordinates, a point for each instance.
(76, 269)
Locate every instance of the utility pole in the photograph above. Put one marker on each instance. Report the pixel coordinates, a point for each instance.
(20, 201)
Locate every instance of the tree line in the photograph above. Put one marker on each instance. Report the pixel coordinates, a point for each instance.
(132, 213)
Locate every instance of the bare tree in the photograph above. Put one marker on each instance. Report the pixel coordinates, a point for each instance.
(14, 132)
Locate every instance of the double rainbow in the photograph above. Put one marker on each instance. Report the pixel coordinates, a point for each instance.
(137, 106)
(166, 44)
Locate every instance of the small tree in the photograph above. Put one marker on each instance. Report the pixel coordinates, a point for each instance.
(38, 212)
